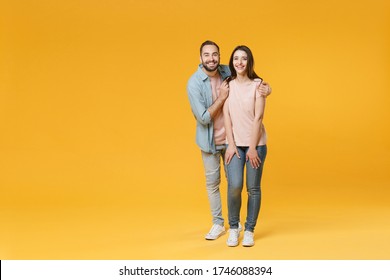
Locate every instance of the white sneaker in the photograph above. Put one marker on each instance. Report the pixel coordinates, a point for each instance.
(215, 232)
(248, 239)
(234, 234)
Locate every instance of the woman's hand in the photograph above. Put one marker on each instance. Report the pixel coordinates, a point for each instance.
(253, 158)
(230, 152)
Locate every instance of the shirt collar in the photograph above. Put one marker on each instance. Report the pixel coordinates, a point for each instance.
(222, 72)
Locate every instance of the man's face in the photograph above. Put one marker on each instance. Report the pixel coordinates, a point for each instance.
(210, 57)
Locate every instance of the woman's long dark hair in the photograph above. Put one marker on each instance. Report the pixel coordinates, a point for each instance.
(250, 64)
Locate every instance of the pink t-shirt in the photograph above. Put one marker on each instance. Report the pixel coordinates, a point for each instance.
(242, 98)
(219, 128)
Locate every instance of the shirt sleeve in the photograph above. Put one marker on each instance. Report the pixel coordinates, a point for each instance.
(198, 103)
(258, 82)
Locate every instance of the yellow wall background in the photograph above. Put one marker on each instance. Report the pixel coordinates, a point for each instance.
(97, 151)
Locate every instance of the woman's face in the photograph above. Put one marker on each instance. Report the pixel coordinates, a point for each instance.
(240, 60)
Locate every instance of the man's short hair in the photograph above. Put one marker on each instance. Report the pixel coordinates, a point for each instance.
(206, 43)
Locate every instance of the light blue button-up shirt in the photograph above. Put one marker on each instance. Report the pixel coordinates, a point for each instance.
(200, 96)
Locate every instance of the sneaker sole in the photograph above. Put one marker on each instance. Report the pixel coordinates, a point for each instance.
(232, 245)
(216, 237)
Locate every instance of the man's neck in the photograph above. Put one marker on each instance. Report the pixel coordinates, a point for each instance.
(211, 74)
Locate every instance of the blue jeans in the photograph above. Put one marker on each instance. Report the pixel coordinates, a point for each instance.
(212, 168)
(235, 175)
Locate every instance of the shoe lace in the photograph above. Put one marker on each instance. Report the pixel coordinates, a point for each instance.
(214, 229)
(248, 235)
(233, 232)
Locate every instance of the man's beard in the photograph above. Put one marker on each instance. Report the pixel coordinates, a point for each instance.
(208, 68)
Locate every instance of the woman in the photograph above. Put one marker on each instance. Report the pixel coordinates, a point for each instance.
(246, 138)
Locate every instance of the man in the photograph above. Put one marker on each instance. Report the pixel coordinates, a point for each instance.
(207, 93)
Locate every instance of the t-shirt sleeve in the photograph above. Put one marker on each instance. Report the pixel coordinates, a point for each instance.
(258, 83)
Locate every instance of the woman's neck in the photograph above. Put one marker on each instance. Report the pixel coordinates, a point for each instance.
(242, 78)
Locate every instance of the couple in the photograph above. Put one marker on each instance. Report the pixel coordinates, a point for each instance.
(228, 103)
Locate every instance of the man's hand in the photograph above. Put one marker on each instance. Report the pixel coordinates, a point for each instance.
(217, 106)
(264, 89)
(224, 90)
